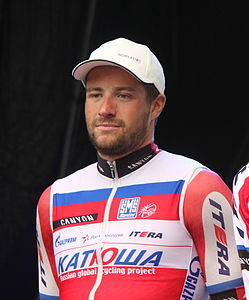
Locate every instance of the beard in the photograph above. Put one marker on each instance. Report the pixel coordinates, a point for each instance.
(128, 140)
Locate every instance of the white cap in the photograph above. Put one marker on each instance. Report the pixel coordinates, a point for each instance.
(135, 58)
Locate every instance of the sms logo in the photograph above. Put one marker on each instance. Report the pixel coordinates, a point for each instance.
(128, 208)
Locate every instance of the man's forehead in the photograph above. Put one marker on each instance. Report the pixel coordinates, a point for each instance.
(102, 72)
(116, 88)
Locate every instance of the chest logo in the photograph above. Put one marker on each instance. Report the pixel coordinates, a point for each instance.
(147, 210)
(75, 220)
(128, 208)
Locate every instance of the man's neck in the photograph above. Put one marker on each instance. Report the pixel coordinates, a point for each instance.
(128, 163)
(112, 158)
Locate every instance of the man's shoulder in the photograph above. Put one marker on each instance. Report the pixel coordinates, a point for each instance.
(85, 171)
(179, 160)
(169, 166)
(76, 180)
(241, 176)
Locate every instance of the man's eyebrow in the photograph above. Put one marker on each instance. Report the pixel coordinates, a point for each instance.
(125, 88)
(94, 89)
(98, 89)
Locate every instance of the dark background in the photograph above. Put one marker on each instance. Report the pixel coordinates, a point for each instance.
(203, 47)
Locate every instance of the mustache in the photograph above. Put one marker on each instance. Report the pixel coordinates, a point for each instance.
(108, 121)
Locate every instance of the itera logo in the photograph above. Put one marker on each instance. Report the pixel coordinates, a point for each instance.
(147, 234)
(221, 242)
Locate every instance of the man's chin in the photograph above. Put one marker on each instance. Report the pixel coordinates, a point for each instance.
(108, 147)
(106, 142)
(111, 150)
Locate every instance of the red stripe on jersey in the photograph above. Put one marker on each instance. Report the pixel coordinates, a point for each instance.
(165, 207)
(138, 283)
(80, 209)
(44, 217)
(39, 252)
(142, 286)
(240, 292)
(71, 284)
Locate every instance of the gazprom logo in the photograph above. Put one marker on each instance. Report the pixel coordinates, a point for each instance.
(60, 242)
(128, 208)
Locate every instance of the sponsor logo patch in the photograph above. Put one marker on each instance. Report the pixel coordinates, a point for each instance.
(128, 208)
(75, 220)
(192, 279)
(147, 234)
(221, 242)
(109, 256)
(147, 210)
(61, 242)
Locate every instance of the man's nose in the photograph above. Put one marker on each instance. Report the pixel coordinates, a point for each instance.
(108, 107)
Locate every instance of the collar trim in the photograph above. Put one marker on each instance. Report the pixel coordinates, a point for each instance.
(129, 163)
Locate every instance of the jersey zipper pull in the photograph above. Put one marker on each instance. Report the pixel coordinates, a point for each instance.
(112, 169)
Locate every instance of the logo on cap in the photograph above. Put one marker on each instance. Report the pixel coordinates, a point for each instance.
(130, 57)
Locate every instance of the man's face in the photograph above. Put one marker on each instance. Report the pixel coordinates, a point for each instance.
(118, 114)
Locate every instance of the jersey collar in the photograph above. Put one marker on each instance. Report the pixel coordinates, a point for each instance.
(129, 163)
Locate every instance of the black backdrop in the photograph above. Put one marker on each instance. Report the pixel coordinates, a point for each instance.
(202, 46)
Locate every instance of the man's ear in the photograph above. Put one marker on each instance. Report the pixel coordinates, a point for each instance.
(157, 106)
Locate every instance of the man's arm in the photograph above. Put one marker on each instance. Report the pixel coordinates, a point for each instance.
(208, 218)
(48, 288)
(241, 221)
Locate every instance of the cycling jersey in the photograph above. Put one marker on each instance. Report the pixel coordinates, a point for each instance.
(151, 225)
(241, 221)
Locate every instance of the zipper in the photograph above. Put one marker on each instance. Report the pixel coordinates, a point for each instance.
(100, 244)
(113, 169)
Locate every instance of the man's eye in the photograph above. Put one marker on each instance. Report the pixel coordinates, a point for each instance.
(94, 95)
(124, 96)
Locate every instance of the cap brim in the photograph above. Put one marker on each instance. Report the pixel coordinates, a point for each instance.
(82, 69)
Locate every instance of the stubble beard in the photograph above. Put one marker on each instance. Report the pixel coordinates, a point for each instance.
(128, 140)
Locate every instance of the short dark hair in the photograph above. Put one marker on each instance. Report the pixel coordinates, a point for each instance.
(152, 93)
(151, 90)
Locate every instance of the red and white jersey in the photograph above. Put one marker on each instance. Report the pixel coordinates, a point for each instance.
(241, 221)
(152, 225)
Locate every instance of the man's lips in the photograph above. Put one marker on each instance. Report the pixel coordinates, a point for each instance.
(107, 126)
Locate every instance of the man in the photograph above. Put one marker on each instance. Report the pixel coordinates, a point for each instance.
(241, 220)
(141, 223)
